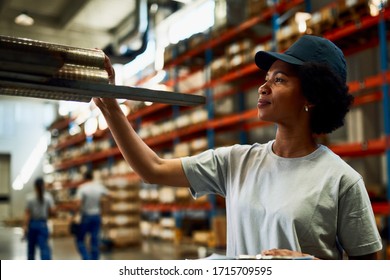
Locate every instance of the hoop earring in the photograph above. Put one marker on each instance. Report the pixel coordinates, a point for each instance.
(306, 108)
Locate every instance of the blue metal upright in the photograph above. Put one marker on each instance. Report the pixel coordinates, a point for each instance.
(386, 102)
(275, 25)
(241, 108)
(308, 6)
(210, 101)
(175, 108)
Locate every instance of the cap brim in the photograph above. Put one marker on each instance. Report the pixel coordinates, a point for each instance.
(265, 59)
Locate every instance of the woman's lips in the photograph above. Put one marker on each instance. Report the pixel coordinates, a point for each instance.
(262, 103)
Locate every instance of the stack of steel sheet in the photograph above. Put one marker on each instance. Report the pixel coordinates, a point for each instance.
(38, 69)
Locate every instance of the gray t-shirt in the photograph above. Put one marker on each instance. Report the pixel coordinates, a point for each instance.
(39, 211)
(303, 204)
(90, 194)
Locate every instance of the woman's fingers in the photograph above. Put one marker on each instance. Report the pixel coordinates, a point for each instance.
(110, 70)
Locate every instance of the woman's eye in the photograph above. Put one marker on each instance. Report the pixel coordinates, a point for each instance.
(278, 80)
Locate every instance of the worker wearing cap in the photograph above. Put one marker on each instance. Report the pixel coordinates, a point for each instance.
(288, 197)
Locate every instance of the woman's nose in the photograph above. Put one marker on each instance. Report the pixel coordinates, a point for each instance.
(263, 89)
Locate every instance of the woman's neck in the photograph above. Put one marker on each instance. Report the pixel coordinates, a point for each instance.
(292, 145)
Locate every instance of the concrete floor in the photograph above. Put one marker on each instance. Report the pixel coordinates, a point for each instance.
(12, 247)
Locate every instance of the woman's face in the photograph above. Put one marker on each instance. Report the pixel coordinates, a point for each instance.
(280, 97)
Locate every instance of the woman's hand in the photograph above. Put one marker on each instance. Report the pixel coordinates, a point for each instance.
(105, 104)
(110, 70)
(284, 253)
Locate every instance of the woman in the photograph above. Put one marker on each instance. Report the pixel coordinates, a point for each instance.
(40, 205)
(290, 196)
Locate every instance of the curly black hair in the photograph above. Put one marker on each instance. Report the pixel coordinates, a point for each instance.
(328, 94)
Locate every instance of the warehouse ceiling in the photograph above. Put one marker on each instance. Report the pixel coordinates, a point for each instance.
(81, 23)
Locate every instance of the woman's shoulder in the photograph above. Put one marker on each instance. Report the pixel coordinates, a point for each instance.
(48, 196)
(255, 147)
(338, 164)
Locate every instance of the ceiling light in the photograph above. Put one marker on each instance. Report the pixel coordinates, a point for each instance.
(300, 19)
(24, 19)
(90, 126)
(183, 1)
(376, 6)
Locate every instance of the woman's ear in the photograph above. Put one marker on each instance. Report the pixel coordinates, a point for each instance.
(308, 107)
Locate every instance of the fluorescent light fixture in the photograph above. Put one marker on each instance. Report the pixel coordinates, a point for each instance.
(183, 1)
(376, 6)
(66, 108)
(156, 79)
(48, 168)
(31, 164)
(140, 62)
(184, 27)
(171, 30)
(118, 68)
(102, 123)
(300, 19)
(90, 126)
(74, 129)
(24, 19)
(125, 109)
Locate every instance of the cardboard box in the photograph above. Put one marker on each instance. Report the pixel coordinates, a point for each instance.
(59, 227)
(124, 236)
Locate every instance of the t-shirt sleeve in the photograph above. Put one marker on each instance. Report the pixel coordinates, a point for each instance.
(207, 172)
(358, 233)
(79, 194)
(103, 190)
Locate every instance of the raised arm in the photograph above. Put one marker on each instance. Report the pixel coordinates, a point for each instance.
(145, 162)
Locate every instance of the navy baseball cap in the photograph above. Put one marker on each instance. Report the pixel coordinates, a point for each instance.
(308, 48)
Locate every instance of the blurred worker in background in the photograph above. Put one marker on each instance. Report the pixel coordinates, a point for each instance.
(40, 206)
(88, 202)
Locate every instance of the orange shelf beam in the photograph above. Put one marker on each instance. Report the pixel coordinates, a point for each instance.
(381, 208)
(171, 207)
(69, 142)
(360, 149)
(368, 98)
(71, 184)
(60, 124)
(369, 82)
(211, 124)
(155, 107)
(87, 158)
